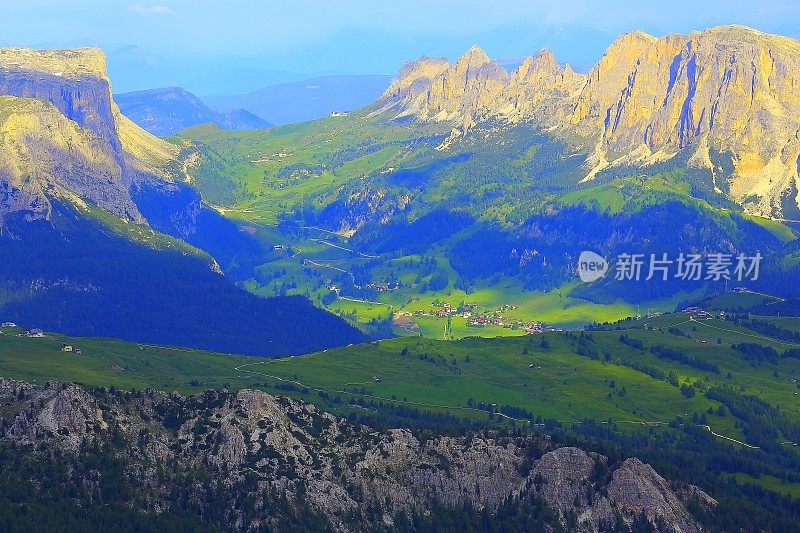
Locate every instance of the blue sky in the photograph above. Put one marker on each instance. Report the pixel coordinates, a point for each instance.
(311, 37)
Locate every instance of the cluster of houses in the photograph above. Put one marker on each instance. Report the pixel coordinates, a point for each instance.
(474, 318)
(444, 310)
(495, 319)
(698, 312)
(383, 286)
(491, 319)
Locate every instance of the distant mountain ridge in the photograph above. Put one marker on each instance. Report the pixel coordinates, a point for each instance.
(135, 69)
(168, 110)
(307, 99)
(727, 97)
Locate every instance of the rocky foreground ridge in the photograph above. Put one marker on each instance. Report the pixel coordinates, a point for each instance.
(247, 460)
(727, 99)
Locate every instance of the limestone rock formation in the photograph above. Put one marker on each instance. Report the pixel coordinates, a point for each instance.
(567, 479)
(727, 97)
(61, 134)
(540, 90)
(463, 92)
(251, 445)
(413, 82)
(68, 415)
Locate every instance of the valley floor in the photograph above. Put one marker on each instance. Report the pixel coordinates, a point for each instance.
(397, 292)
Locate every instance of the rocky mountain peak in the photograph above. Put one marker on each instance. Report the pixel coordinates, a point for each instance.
(465, 91)
(542, 61)
(627, 45)
(473, 58)
(413, 79)
(539, 90)
(433, 89)
(475, 63)
(729, 90)
(635, 36)
(420, 67)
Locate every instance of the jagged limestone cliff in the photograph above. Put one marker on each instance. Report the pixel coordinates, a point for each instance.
(541, 89)
(727, 97)
(62, 134)
(463, 92)
(414, 80)
(42, 152)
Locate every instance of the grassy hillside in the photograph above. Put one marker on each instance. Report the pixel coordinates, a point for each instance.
(361, 202)
(611, 375)
(543, 374)
(258, 175)
(110, 362)
(556, 382)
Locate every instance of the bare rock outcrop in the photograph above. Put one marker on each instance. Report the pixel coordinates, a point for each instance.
(64, 413)
(250, 452)
(592, 495)
(636, 488)
(64, 136)
(726, 98)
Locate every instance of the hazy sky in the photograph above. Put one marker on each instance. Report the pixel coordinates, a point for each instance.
(357, 36)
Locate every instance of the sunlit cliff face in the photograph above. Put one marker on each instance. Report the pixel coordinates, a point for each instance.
(729, 96)
(62, 134)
